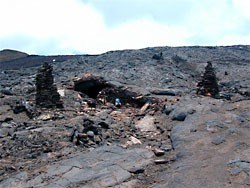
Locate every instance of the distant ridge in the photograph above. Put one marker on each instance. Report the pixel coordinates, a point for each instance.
(12, 59)
(217, 54)
(8, 55)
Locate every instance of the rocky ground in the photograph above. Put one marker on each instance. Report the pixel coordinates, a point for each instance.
(171, 138)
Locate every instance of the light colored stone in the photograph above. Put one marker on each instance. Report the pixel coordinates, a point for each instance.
(134, 140)
(45, 117)
(61, 92)
(158, 152)
(146, 124)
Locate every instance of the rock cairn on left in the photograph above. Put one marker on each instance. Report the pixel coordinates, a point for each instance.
(46, 91)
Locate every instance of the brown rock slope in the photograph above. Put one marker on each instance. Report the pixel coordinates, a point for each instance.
(8, 55)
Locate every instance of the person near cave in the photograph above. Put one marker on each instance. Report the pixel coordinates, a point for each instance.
(118, 102)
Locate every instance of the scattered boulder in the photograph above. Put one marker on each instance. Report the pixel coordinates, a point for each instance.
(161, 161)
(26, 107)
(164, 92)
(158, 56)
(133, 141)
(45, 117)
(158, 152)
(104, 125)
(218, 140)
(6, 92)
(146, 124)
(91, 134)
(214, 125)
(167, 109)
(179, 116)
(4, 132)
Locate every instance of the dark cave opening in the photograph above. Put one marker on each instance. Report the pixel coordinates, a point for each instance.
(90, 87)
(97, 88)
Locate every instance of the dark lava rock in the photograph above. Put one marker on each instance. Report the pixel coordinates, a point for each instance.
(6, 92)
(214, 124)
(136, 170)
(247, 181)
(164, 92)
(90, 134)
(4, 132)
(218, 140)
(158, 56)
(233, 130)
(104, 125)
(179, 116)
(158, 152)
(167, 110)
(89, 126)
(161, 161)
(7, 119)
(19, 109)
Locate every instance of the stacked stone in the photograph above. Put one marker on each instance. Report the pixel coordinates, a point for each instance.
(46, 91)
(208, 86)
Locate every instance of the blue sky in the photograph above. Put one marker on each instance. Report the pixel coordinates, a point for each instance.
(96, 26)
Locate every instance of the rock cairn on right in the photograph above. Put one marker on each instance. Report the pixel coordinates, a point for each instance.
(208, 86)
(46, 91)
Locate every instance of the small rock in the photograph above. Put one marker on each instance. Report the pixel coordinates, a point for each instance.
(247, 181)
(233, 130)
(7, 119)
(97, 139)
(135, 140)
(161, 161)
(158, 56)
(60, 116)
(164, 92)
(4, 132)
(90, 134)
(144, 108)
(167, 110)
(240, 119)
(158, 152)
(218, 140)
(136, 170)
(61, 92)
(45, 117)
(6, 92)
(166, 147)
(82, 135)
(193, 130)
(213, 125)
(191, 111)
(235, 171)
(179, 116)
(106, 135)
(19, 109)
(104, 125)
(146, 124)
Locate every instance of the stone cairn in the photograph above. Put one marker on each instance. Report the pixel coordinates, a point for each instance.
(208, 86)
(46, 91)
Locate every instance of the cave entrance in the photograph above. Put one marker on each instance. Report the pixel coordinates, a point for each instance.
(90, 87)
(97, 88)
